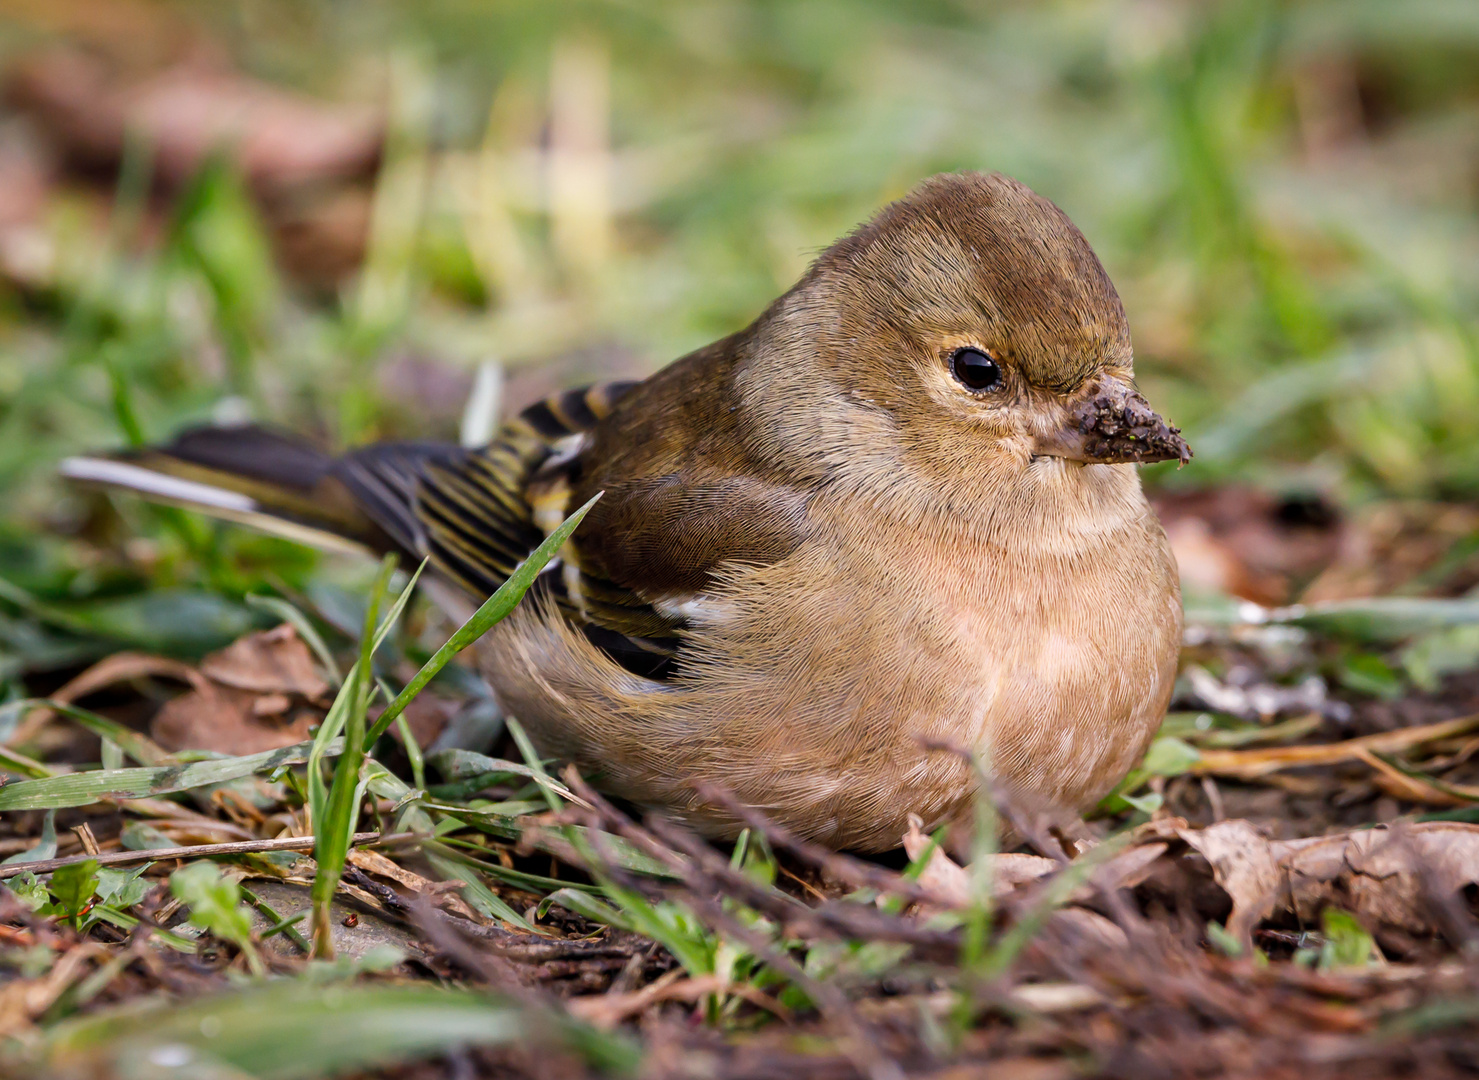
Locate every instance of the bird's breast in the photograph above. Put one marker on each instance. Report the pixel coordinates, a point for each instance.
(1054, 661)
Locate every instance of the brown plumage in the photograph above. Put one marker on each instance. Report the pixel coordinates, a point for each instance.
(899, 509)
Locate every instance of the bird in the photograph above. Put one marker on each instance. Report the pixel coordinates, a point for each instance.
(884, 545)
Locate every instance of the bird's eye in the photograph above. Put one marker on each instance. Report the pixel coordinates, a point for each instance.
(975, 370)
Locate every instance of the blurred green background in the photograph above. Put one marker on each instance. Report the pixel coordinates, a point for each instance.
(334, 215)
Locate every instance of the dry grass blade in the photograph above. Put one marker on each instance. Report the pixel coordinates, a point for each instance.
(609, 1010)
(1251, 764)
(1417, 787)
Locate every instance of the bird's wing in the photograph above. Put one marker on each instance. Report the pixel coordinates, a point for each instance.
(678, 503)
(467, 510)
(630, 578)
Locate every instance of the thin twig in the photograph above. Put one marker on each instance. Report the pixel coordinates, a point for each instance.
(241, 847)
(844, 868)
(711, 873)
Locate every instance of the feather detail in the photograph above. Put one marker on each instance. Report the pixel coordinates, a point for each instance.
(481, 514)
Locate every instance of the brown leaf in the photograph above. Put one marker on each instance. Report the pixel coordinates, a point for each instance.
(117, 668)
(1389, 544)
(1127, 869)
(271, 705)
(268, 662)
(1209, 564)
(372, 862)
(1245, 542)
(222, 719)
(427, 715)
(606, 1011)
(1010, 870)
(24, 1000)
(1087, 929)
(1384, 872)
(941, 875)
(189, 111)
(1244, 866)
(952, 882)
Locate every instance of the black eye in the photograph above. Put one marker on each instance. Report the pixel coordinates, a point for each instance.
(975, 369)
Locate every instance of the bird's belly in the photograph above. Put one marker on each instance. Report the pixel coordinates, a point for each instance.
(1062, 697)
(832, 697)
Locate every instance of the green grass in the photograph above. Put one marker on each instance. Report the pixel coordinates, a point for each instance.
(1308, 313)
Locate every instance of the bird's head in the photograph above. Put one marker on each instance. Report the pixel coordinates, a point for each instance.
(968, 336)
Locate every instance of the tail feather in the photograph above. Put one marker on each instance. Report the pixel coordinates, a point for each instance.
(257, 477)
(249, 452)
(465, 510)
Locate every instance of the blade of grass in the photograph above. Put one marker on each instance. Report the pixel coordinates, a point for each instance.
(470, 766)
(19, 763)
(683, 936)
(292, 1030)
(543, 779)
(452, 865)
(334, 722)
(276, 924)
(493, 610)
(335, 826)
(529, 882)
(191, 851)
(408, 741)
(141, 748)
(86, 788)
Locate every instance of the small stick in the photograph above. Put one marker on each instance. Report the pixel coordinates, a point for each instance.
(88, 840)
(844, 868)
(240, 847)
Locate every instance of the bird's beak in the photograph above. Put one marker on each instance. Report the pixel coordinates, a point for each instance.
(1112, 424)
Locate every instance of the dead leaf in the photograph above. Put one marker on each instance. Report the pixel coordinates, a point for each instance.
(1450, 850)
(117, 668)
(1010, 870)
(1244, 866)
(24, 1000)
(271, 705)
(1123, 871)
(243, 699)
(189, 111)
(1088, 929)
(605, 1011)
(27, 250)
(268, 662)
(372, 862)
(428, 714)
(1209, 564)
(1382, 873)
(1245, 542)
(1054, 998)
(222, 719)
(320, 237)
(951, 882)
(1389, 544)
